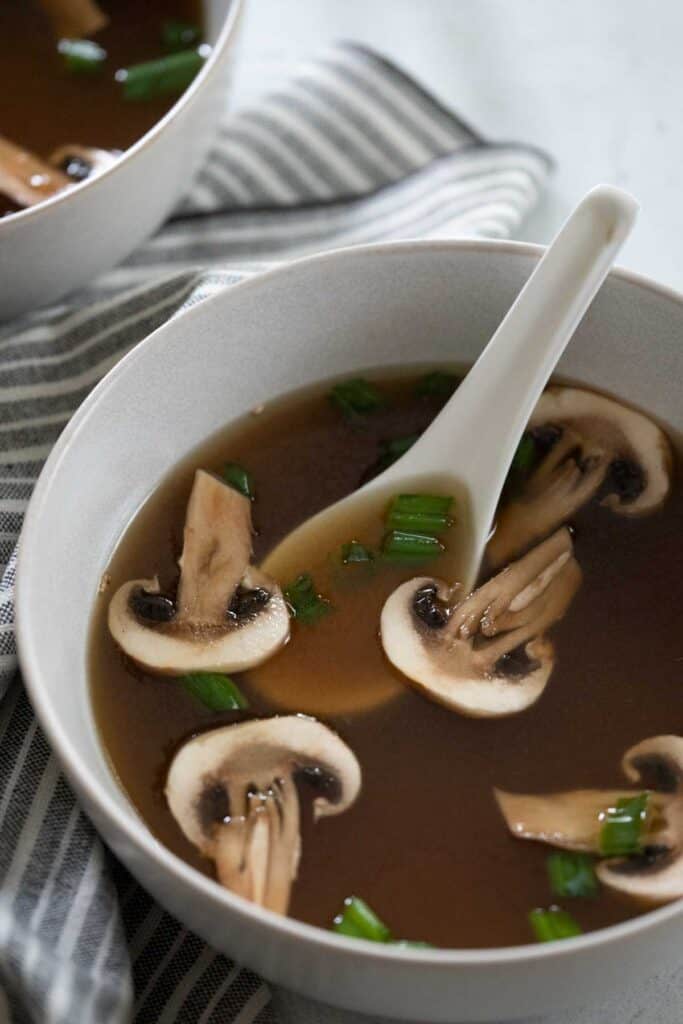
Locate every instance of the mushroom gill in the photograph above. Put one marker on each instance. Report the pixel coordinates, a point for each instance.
(484, 655)
(227, 615)
(575, 820)
(588, 442)
(233, 793)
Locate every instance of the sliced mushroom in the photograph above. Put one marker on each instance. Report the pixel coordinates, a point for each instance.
(591, 441)
(227, 615)
(574, 821)
(74, 19)
(26, 179)
(486, 655)
(233, 793)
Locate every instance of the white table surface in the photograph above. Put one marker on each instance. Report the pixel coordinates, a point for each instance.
(599, 84)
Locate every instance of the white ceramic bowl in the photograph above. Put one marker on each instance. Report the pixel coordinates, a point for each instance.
(61, 244)
(333, 314)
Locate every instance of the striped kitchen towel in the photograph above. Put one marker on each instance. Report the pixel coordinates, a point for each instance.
(348, 150)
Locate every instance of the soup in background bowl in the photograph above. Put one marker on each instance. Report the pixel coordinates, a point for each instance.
(339, 316)
(65, 239)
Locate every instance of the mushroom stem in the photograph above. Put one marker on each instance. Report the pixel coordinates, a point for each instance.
(257, 854)
(570, 820)
(216, 550)
(74, 19)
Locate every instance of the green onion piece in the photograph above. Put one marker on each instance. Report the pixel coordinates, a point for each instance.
(421, 513)
(355, 553)
(179, 35)
(572, 874)
(306, 603)
(620, 835)
(404, 546)
(239, 478)
(167, 76)
(553, 924)
(355, 397)
(82, 56)
(390, 451)
(525, 456)
(437, 383)
(359, 921)
(217, 692)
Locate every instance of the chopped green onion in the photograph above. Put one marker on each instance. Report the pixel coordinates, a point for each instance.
(437, 383)
(217, 692)
(179, 35)
(239, 478)
(523, 462)
(404, 546)
(82, 56)
(525, 456)
(355, 397)
(167, 76)
(420, 513)
(620, 835)
(572, 874)
(355, 553)
(306, 603)
(359, 921)
(553, 924)
(390, 451)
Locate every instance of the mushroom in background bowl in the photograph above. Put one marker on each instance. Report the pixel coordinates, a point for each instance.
(450, 295)
(60, 232)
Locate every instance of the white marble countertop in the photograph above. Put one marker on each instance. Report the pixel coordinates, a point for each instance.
(597, 84)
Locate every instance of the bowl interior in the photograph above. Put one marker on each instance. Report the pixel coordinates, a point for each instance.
(349, 311)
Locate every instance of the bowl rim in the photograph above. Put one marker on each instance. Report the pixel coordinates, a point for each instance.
(131, 153)
(133, 828)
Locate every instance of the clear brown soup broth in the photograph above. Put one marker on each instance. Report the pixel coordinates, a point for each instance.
(424, 844)
(49, 107)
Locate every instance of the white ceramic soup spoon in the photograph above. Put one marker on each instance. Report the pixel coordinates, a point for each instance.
(467, 450)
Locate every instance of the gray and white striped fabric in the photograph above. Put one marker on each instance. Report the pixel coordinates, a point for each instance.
(348, 150)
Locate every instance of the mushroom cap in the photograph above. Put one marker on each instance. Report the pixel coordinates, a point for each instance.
(619, 430)
(166, 650)
(656, 875)
(508, 613)
(259, 751)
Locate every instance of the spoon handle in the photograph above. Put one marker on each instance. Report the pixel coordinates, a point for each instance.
(485, 419)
